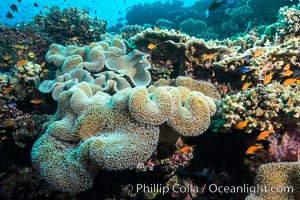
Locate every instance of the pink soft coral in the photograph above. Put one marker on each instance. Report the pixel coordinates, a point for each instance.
(286, 147)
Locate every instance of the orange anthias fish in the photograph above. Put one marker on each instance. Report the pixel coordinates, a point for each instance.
(151, 46)
(268, 78)
(246, 85)
(7, 90)
(286, 67)
(253, 149)
(187, 148)
(289, 81)
(287, 73)
(241, 125)
(263, 135)
(258, 53)
(213, 73)
(156, 29)
(20, 63)
(36, 101)
(8, 123)
(243, 77)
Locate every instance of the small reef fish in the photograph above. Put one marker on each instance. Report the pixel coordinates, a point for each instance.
(20, 63)
(6, 57)
(213, 73)
(35, 4)
(246, 85)
(19, 1)
(289, 101)
(243, 77)
(3, 65)
(13, 7)
(253, 149)
(36, 101)
(215, 4)
(247, 58)
(31, 55)
(63, 20)
(151, 46)
(286, 73)
(268, 78)
(156, 29)
(258, 53)
(7, 90)
(17, 46)
(241, 125)
(4, 137)
(187, 148)
(286, 67)
(9, 15)
(8, 123)
(243, 70)
(263, 135)
(43, 64)
(289, 81)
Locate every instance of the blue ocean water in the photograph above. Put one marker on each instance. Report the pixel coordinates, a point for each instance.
(109, 10)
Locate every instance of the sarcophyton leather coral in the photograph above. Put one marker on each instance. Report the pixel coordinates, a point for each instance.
(76, 64)
(92, 129)
(269, 107)
(277, 181)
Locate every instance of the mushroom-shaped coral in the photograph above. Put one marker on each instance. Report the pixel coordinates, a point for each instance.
(135, 65)
(93, 130)
(77, 64)
(276, 181)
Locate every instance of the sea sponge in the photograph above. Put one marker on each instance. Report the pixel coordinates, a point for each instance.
(92, 129)
(276, 181)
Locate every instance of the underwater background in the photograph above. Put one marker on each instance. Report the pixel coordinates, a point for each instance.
(150, 99)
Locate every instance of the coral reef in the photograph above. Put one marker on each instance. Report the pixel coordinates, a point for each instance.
(186, 51)
(197, 28)
(93, 130)
(21, 82)
(17, 42)
(288, 23)
(269, 107)
(70, 26)
(277, 181)
(130, 30)
(19, 127)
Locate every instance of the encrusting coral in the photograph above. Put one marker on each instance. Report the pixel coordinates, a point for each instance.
(93, 130)
(269, 107)
(277, 181)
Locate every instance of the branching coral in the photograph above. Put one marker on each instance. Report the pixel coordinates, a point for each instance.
(92, 130)
(269, 107)
(277, 181)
